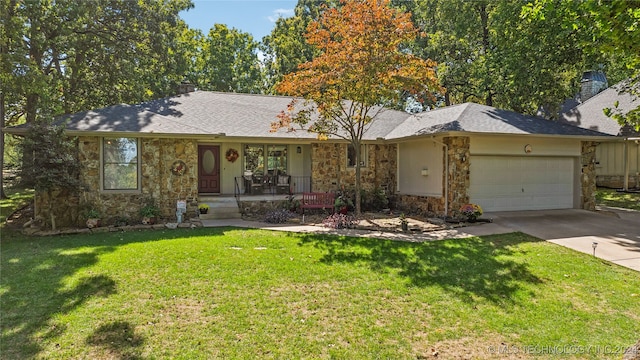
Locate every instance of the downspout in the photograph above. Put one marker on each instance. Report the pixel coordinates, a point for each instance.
(446, 175)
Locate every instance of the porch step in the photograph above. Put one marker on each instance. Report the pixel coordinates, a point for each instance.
(220, 208)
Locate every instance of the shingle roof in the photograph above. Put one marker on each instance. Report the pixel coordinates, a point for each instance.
(590, 114)
(203, 113)
(476, 118)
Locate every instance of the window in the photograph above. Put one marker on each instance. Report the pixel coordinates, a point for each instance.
(265, 159)
(254, 159)
(120, 164)
(351, 156)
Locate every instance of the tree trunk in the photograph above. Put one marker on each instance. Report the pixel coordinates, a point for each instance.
(356, 145)
(484, 20)
(2, 193)
(52, 216)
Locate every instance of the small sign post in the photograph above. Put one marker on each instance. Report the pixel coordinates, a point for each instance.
(181, 208)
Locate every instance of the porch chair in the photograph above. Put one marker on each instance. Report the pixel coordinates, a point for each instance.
(256, 185)
(283, 186)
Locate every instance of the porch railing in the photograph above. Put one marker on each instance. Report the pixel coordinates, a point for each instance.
(269, 186)
(236, 191)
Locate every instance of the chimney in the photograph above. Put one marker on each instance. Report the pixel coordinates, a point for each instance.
(591, 84)
(186, 87)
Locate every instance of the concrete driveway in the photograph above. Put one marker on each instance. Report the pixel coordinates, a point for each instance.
(617, 231)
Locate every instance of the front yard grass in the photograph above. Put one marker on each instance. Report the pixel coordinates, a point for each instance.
(611, 197)
(234, 293)
(17, 197)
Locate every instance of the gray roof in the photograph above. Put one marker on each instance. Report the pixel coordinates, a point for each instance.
(203, 113)
(207, 113)
(476, 118)
(590, 114)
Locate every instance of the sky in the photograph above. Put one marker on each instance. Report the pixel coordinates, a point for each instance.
(256, 17)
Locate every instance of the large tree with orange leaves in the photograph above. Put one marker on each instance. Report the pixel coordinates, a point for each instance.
(363, 65)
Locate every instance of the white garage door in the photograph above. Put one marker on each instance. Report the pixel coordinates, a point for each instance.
(503, 183)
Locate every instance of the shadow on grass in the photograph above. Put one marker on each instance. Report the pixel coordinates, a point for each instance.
(117, 340)
(34, 283)
(468, 268)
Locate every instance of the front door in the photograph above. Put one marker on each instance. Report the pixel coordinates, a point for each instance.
(208, 168)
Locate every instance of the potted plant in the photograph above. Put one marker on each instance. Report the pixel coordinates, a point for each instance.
(149, 213)
(93, 218)
(203, 208)
(342, 204)
(404, 223)
(471, 211)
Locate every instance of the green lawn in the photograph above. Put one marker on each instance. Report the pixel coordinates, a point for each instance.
(16, 198)
(610, 197)
(233, 293)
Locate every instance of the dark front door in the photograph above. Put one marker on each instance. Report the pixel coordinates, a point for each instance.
(208, 168)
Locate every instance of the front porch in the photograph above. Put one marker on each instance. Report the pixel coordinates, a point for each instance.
(233, 206)
(254, 194)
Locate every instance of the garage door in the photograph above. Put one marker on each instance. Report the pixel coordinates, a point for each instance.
(502, 183)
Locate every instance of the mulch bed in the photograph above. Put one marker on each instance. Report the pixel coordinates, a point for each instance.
(374, 221)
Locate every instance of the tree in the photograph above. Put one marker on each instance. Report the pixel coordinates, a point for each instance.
(66, 56)
(361, 66)
(609, 36)
(53, 165)
(457, 36)
(69, 56)
(229, 61)
(488, 53)
(286, 48)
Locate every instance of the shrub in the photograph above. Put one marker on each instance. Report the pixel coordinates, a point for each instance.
(339, 221)
(370, 200)
(150, 209)
(278, 216)
(121, 221)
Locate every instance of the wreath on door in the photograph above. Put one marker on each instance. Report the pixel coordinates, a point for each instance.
(232, 155)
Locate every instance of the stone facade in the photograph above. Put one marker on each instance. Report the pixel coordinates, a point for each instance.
(260, 208)
(617, 181)
(458, 175)
(421, 205)
(329, 171)
(588, 176)
(157, 183)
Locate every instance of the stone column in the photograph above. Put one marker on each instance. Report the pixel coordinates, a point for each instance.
(588, 176)
(458, 174)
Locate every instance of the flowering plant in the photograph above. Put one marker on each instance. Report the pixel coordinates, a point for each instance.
(471, 211)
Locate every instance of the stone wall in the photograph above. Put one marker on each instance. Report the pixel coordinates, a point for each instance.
(329, 171)
(421, 205)
(617, 181)
(588, 176)
(157, 183)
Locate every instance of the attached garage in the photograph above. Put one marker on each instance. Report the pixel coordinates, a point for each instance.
(498, 159)
(510, 183)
